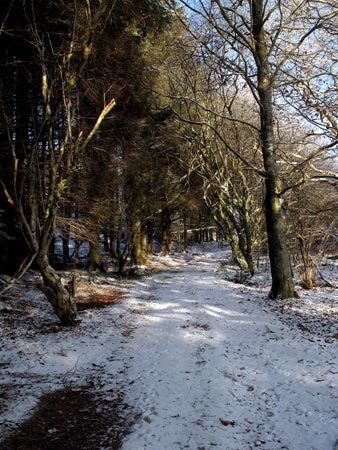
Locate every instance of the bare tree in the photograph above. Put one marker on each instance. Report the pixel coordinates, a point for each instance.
(256, 42)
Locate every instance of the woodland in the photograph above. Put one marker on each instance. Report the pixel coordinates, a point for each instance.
(132, 127)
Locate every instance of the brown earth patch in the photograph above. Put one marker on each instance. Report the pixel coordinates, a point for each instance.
(73, 419)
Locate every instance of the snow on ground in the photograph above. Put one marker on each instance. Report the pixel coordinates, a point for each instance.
(205, 363)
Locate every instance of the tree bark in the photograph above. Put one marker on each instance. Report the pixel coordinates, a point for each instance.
(282, 282)
(150, 237)
(59, 297)
(65, 249)
(94, 257)
(185, 234)
(139, 243)
(76, 253)
(165, 231)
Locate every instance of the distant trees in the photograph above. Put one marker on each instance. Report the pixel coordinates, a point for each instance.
(259, 48)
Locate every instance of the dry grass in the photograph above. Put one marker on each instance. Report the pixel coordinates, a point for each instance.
(89, 298)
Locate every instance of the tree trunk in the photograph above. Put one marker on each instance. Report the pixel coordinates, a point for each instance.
(185, 234)
(112, 242)
(282, 282)
(144, 244)
(77, 253)
(64, 306)
(165, 231)
(150, 237)
(139, 244)
(106, 242)
(245, 246)
(94, 257)
(237, 255)
(238, 237)
(65, 248)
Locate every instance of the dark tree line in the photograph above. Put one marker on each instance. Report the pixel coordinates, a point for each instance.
(82, 146)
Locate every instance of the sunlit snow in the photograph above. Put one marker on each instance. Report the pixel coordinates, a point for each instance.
(204, 362)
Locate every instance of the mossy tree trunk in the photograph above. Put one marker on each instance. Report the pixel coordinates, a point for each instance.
(282, 282)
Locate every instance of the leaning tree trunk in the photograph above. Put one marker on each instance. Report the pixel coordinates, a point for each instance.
(63, 304)
(282, 282)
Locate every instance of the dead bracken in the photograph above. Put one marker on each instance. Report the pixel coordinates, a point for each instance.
(97, 300)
